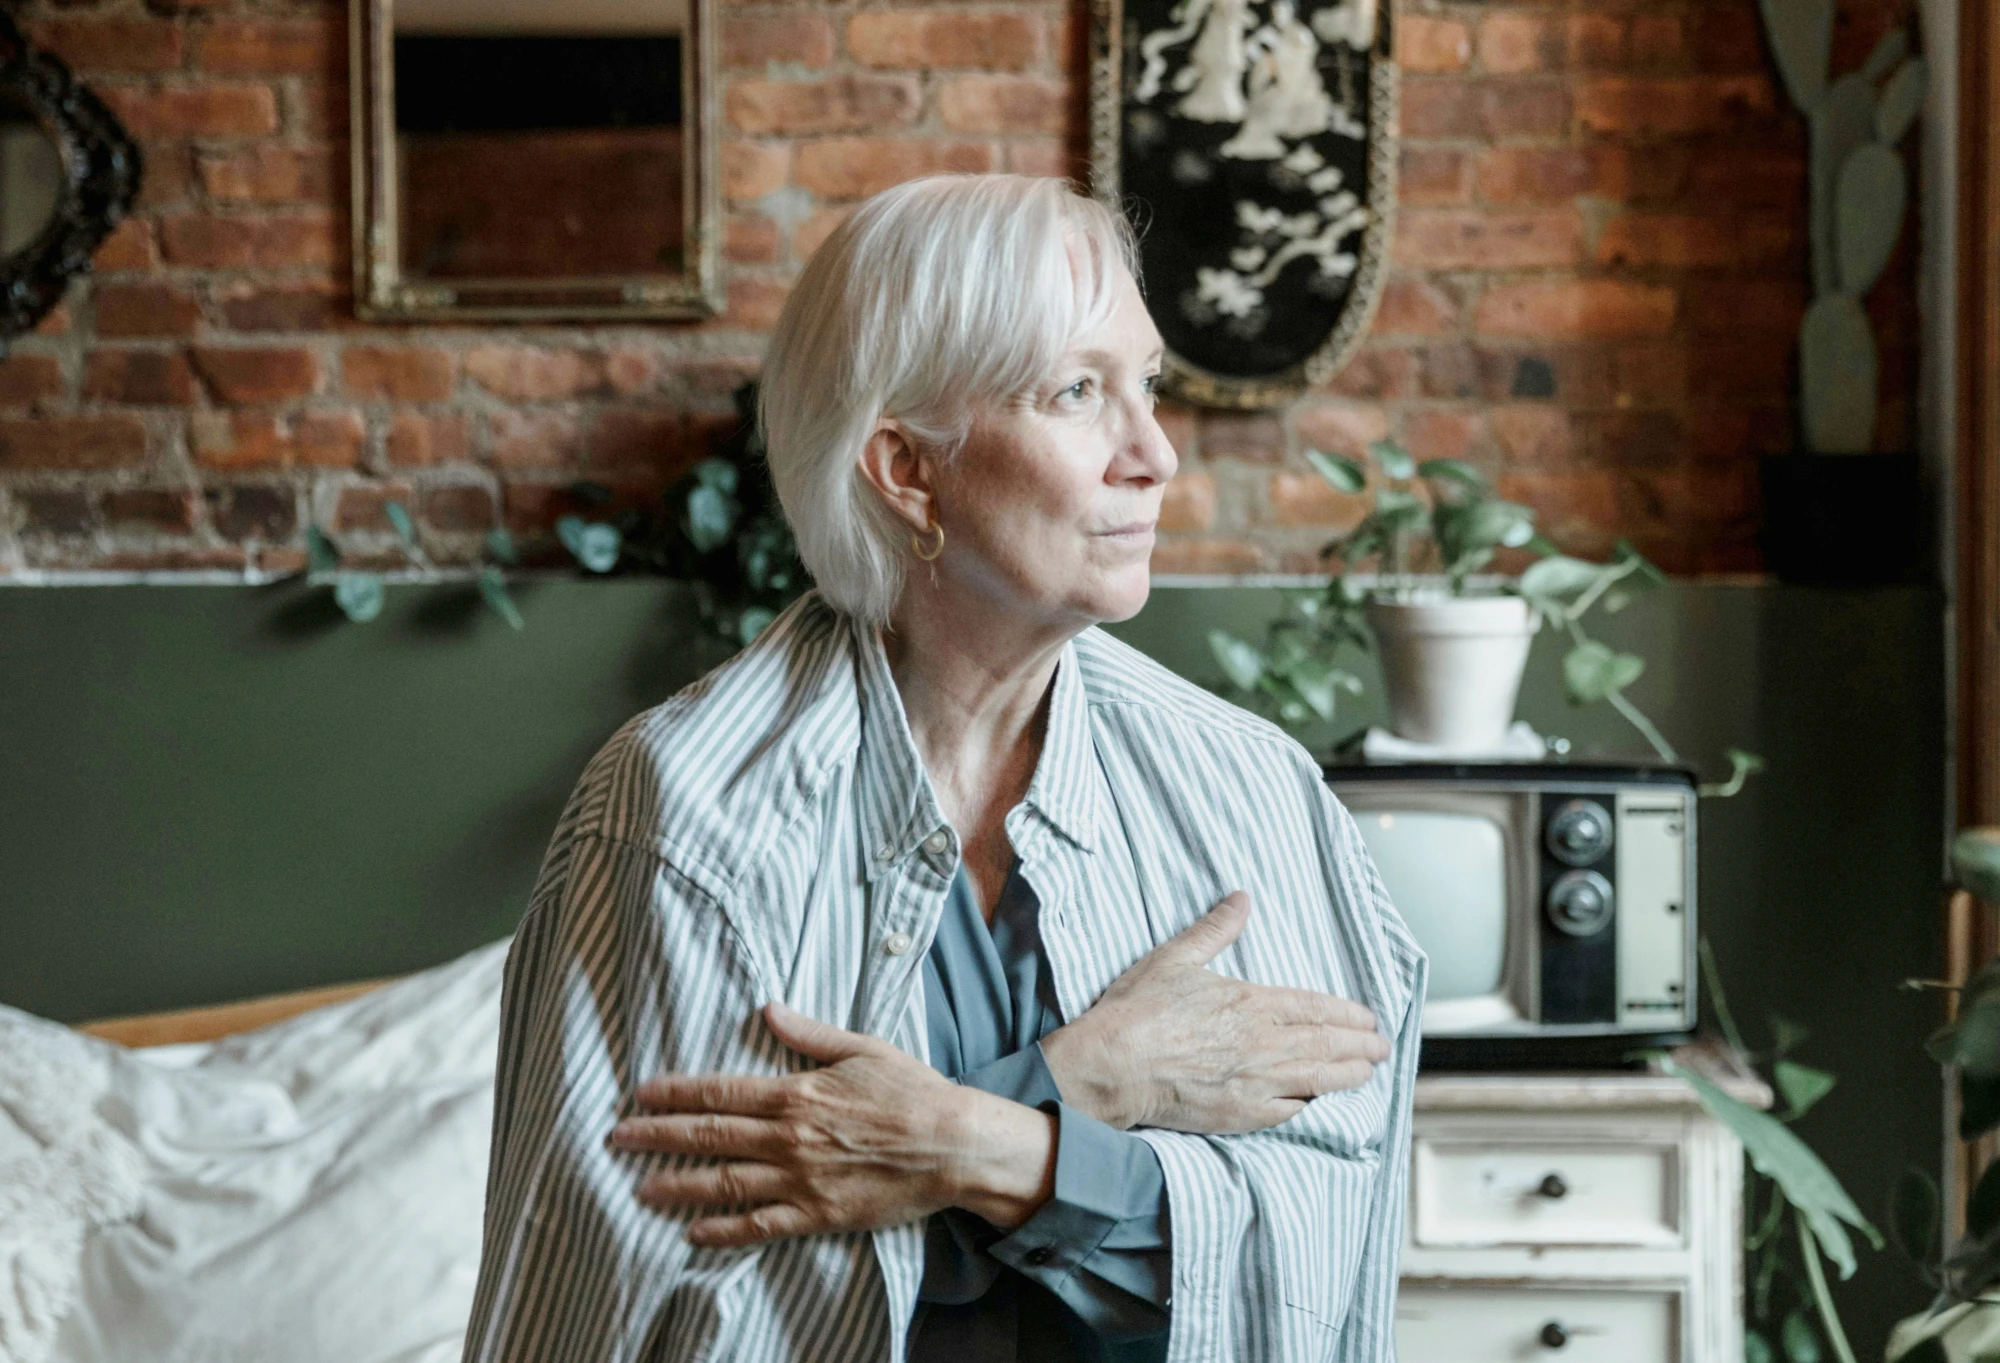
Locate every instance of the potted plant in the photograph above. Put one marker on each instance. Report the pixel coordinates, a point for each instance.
(1963, 1322)
(1451, 637)
(1835, 493)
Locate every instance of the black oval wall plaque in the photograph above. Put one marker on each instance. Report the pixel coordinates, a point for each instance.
(1252, 145)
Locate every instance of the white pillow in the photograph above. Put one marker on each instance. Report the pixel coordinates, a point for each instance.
(312, 1192)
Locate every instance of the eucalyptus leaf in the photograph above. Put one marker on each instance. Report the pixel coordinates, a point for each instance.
(322, 556)
(711, 516)
(359, 596)
(1453, 471)
(1801, 33)
(753, 622)
(1891, 48)
(500, 544)
(493, 589)
(1975, 862)
(1393, 460)
(1800, 1339)
(1902, 100)
(1802, 1086)
(1757, 1349)
(593, 544)
(1914, 1211)
(1559, 579)
(1593, 671)
(1787, 1035)
(399, 516)
(1317, 683)
(1971, 1040)
(1781, 1156)
(1344, 474)
(719, 474)
(1241, 662)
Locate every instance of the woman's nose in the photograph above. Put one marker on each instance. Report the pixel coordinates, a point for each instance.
(1152, 455)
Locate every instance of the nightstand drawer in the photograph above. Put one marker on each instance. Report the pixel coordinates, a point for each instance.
(1536, 1325)
(1466, 1194)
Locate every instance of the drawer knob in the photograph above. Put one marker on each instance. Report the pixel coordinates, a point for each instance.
(1555, 1190)
(1555, 1335)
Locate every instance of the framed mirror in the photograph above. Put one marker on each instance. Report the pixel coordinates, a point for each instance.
(68, 173)
(1252, 144)
(535, 159)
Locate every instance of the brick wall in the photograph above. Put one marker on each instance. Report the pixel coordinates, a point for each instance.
(1598, 275)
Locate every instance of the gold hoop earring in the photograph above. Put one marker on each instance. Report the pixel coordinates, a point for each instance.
(917, 544)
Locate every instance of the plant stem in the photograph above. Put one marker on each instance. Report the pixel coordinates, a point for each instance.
(1712, 978)
(1822, 1299)
(1643, 725)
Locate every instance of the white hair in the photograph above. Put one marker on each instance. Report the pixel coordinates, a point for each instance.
(935, 300)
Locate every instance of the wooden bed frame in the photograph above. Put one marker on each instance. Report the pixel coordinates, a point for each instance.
(215, 1021)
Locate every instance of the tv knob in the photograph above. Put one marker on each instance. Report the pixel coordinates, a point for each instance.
(1580, 903)
(1579, 833)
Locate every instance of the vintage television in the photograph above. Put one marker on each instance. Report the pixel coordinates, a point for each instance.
(1556, 903)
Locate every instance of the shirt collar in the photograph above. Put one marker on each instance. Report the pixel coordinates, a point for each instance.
(898, 809)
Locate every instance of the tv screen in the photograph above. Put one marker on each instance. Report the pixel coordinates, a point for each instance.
(1447, 876)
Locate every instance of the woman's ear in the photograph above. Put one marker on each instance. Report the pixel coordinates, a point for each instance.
(900, 475)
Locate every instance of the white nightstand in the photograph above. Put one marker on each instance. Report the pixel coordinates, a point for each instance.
(1575, 1218)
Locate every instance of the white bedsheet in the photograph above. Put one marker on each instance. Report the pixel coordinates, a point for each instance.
(312, 1191)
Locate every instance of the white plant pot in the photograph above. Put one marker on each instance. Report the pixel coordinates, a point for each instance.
(1452, 666)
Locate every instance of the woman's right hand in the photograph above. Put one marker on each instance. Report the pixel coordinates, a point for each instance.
(1172, 1044)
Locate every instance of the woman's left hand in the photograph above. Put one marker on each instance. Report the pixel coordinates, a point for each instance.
(873, 1138)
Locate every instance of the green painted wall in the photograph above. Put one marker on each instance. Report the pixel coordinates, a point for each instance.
(212, 792)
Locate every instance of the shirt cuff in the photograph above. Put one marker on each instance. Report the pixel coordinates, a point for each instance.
(1103, 1176)
(1023, 1076)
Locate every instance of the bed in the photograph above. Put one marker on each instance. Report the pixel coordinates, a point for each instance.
(297, 1179)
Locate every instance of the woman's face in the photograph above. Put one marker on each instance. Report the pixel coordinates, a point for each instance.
(1049, 506)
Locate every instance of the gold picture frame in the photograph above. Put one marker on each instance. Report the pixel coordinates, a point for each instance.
(382, 291)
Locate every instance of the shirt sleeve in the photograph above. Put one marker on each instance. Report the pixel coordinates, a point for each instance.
(1102, 1242)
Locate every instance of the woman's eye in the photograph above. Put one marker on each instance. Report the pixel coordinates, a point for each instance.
(1078, 390)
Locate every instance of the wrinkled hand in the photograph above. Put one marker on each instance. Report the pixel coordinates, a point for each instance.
(874, 1138)
(1172, 1044)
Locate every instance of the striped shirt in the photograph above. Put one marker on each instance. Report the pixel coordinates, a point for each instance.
(770, 833)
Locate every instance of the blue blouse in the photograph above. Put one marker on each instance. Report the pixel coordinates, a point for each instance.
(1087, 1276)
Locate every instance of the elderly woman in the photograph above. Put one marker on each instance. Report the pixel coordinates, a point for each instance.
(933, 827)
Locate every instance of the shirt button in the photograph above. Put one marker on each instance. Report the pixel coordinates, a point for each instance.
(938, 843)
(897, 944)
(885, 853)
(1039, 1255)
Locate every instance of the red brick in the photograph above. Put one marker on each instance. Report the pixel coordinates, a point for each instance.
(139, 378)
(1376, 371)
(1596, 40)
(145, 310)
(1189, 502)
(328, 439)
(1448, 107)
(649, 442)
(1306, 499)
(1685, 240)
(753, 305)
(856, 167)
(268, 174)
(169, 176)
(58, 511)
(1438, 239)
(755, 40)
(518, 439)
(1749, 177)
(169, 510)
(1443, 435)
(274, 47)
(418, 438)
(316, 108)
(1650, 374)
(1554, 174)
(398, 373)
(365, 506)
(1047, 156)
(179, 559)
(1005, 104)
(57, 323)
(212, 109)
(253, 512)
(122, 46)
(257, 374)
(271, 240)
(838, 104)
(1637, 438)
(1705, 104)
(131, 246)
(1512, 42)
(71, 442)
(915, 40)
(818, 226)
(1536, 434)
(1432, 175)
(1252, 436)
(1577, 508)
(1729, 38)
(632, 370)
(1207, 556)
(749, 239)
(284, 307)
(1428, 44)
(750, 170)
(1414, 306)
(522, 373)
(1448, 370)
(28, 379)
(458, 509)
(1658, 39)
(1750, 368)
(1723, 306)
(1575, 308)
